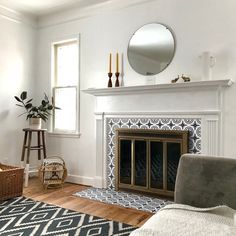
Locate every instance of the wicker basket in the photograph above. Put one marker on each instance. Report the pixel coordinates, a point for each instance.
(53, 172)
(11, 181)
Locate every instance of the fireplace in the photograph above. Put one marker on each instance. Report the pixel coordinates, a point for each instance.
(195, 106)
(147, 159)
(190, 124)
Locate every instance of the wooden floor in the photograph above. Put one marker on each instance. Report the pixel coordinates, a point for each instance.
(63, 197)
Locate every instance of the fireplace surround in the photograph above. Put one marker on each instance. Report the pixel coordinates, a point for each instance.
(195, 106)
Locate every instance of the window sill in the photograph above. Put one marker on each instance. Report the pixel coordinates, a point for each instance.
(64, 135)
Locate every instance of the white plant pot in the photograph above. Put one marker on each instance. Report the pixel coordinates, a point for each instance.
(35, 123)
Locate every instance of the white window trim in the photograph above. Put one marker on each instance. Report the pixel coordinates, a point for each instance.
(64, 134)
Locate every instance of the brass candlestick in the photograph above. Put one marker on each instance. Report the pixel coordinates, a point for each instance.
(109, 81)
(117, 84)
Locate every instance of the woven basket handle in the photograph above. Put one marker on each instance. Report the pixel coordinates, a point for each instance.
(57, 158)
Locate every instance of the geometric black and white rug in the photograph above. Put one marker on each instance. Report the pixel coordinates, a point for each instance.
(130, 200)
(24, 217)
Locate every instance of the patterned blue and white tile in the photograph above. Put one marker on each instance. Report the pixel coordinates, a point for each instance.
(130, 200)
(193, 125)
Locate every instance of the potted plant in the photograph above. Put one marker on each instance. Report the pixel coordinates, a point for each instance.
(35, 114)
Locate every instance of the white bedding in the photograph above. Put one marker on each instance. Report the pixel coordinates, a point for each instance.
(183, 220)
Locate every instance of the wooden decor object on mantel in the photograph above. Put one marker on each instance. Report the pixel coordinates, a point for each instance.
(117, 84)
(109, 85)
(147, 159)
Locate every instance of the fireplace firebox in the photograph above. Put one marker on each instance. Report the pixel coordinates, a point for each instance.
(147, 159)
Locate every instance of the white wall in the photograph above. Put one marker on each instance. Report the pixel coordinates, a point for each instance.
(17, 47)
(203, 25)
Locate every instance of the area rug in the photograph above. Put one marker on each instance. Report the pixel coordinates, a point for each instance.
(124, 199)
(25, 217)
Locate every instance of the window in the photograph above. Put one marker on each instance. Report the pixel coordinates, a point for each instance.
(65, 81)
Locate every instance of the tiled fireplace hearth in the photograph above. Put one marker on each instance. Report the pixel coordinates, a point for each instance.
(195, 106)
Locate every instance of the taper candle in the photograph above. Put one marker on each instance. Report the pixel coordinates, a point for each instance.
(110, 63)
(117, 62)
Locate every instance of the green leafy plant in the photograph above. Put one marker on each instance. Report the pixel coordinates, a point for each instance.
(41, 111)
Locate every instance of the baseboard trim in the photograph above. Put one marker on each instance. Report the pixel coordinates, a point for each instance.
(84, 180)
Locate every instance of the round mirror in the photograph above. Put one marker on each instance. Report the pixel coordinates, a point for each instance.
(151, 49)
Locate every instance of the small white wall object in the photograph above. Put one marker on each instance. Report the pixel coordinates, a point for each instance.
(208, 61)
(150, 80)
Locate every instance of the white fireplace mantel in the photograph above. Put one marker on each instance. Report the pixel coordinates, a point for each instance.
(186, 97)
(157, 87)
(202, 99)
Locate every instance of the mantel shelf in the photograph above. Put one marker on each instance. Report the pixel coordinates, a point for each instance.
(157, 87)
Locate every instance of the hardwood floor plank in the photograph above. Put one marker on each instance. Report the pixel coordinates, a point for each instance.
(63, 197)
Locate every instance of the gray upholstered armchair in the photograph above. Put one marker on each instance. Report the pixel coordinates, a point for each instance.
(206, 181)
(205, 199)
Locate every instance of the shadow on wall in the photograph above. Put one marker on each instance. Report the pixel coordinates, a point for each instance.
(4, 114)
